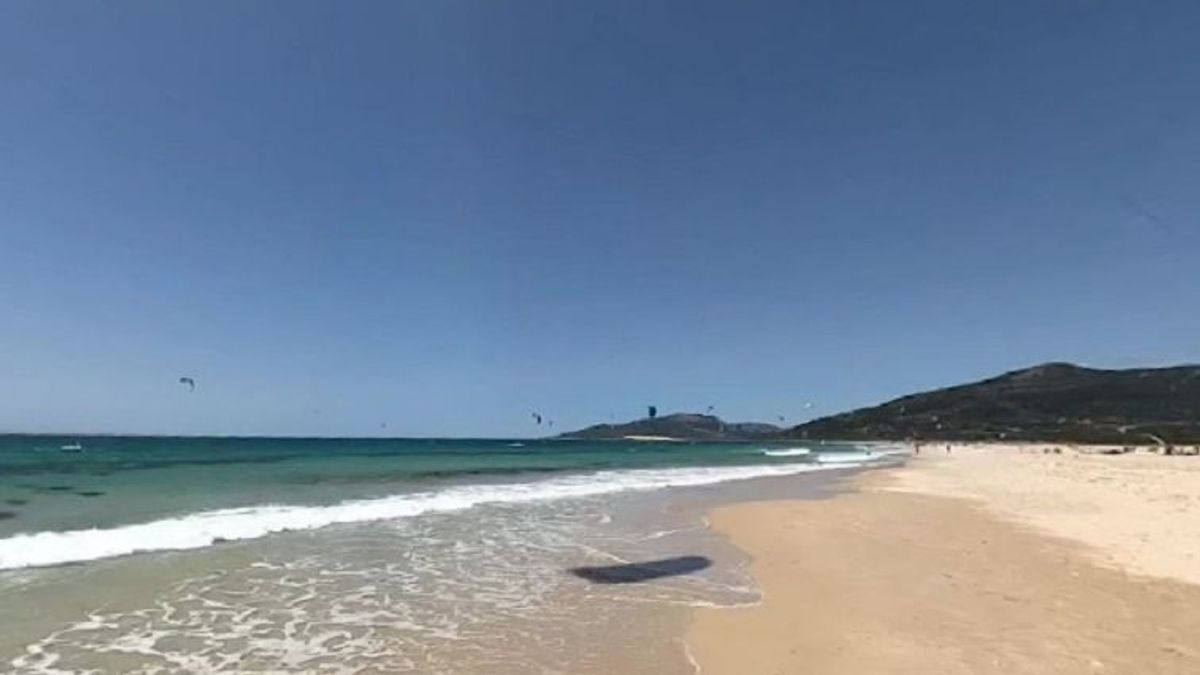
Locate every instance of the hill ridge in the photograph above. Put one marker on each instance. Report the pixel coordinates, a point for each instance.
(1049, 401)
(681, 426)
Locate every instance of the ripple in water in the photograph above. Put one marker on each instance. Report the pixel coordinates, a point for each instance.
(480, 591)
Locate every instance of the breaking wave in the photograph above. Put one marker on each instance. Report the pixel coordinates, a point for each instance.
(205, 528)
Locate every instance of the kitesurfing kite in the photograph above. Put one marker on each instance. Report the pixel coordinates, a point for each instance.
(537, 418)
(189, 382)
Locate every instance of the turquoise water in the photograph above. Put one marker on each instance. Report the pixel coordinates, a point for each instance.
(152, 555)
(47, 485)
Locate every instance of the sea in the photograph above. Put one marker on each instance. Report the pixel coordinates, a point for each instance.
(274, 555)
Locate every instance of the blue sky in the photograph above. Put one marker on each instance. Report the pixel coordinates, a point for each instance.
(444, 215)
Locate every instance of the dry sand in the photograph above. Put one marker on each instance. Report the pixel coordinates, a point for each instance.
(1139, 512)
(988, 560)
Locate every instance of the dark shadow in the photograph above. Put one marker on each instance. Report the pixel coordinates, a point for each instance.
(634, 573)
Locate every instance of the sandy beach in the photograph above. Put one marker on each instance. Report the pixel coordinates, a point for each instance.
(986, 559)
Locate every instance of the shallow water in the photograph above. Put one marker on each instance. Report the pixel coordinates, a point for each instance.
(481, 587)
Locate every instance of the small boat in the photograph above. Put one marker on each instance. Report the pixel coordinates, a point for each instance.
(72, 447)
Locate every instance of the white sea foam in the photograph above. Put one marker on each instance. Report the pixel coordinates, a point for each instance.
(201, 529)
(857, 458)
(787, 452)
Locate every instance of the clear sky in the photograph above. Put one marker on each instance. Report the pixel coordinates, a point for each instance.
(443, 215)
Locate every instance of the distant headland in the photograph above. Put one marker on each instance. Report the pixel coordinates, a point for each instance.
(1049, 402)
(678, 427)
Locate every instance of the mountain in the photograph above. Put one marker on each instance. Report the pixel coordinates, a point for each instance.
(683, 426)
(1053, 401)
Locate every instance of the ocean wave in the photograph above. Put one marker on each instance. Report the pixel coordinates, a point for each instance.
(787, 452)
(205, 528)
(856, 458)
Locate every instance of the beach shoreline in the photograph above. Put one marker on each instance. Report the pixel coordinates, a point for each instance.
(373, 556)
(1006, 558)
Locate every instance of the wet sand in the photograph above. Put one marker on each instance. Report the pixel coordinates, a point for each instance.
(901, 577)
(517, 589)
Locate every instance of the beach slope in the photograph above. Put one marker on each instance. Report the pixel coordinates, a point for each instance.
(901, 577)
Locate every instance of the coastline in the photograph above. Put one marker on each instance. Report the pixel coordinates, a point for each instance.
(400, 557)
(986, 559)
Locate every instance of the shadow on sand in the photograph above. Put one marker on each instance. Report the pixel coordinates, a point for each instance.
(633, 573)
